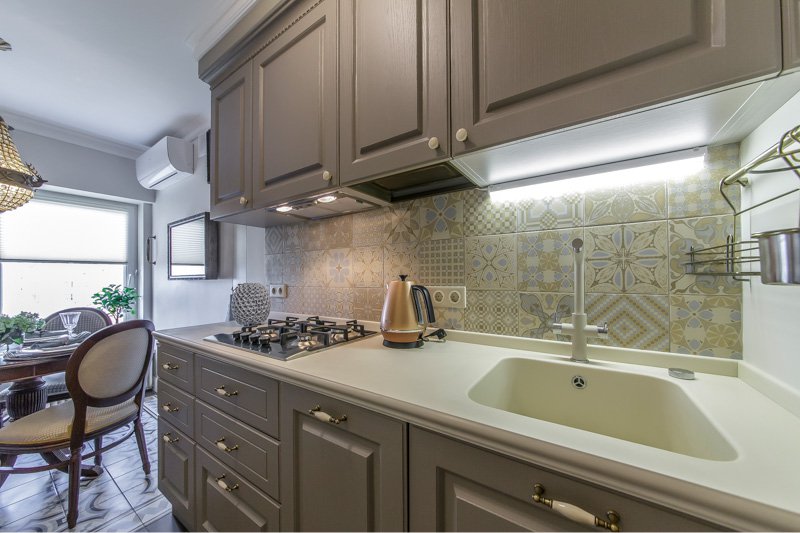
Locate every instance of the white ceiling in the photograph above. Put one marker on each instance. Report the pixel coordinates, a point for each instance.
(121, 71)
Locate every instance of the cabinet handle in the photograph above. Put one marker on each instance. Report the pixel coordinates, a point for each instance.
(327, 176)
(575, 513)
(242, 200)
(167, 409)
(169, 366)
(221, 445)
(222, 392)
(224, 485)
(166, 438)
(325, 417)
(433, 143)
(461, 135)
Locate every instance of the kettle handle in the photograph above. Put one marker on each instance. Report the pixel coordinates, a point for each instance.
(426, 297)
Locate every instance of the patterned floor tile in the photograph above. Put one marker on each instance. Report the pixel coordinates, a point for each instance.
(138, 488)
(441, 217)
(27, 505)
(273, 266)
(165, 522)
(628, 203)
(547, 213)
(400, 259)
(491, 262)
(492, 312)
(400, 223)
(545, 260)
(483, 217)
(368, 228)
(706, 325)
(338, 268)
(368, 266)
(631, 258)
(368, 303)
(634, 321)
(50, 518)
(112, 522)
(538, 312)
(274, 239)
(440, 262)
(154, 510)
(698, 195)
(20, 486)
(450, 318)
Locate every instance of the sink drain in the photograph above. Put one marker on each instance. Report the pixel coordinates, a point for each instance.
(579, 382)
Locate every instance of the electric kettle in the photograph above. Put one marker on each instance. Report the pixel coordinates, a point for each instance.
(402, 319)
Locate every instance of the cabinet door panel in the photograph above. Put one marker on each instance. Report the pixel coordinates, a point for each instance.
(295, 135)
(176, 471)
(520, 68)
(176, 407)
(176, 366)
(393, 85)
(791, 34)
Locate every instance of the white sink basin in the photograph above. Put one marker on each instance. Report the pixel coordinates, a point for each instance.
(637, 408)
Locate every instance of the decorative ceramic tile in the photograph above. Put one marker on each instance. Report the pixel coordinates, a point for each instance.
(538, 312)
(564, 211)
(274, 268)
(295, 299)
(631, 258)
(706, 325)
(634, 321)
(153, 511)
(337, 232)
(338, 268)
(51, 518)
(314, 268)
(400, 223)
(700, 232)
(313, 235)
(628, 203)
(293, 239)
(293, 268)
(545, 261)
(337, 303)
(440, 262)
(491, 262)
(400, 259)
(368, 303)
(277, 304)
(492, 312)
(368, 227)
(441, 217)
(139, 489)
(368, 266)
(450, 318)
(317, 301)
(29, 505)
(483, 217)
(274, 239)
(698, 195)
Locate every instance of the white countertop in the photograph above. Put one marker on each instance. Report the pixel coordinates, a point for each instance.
(428, 387)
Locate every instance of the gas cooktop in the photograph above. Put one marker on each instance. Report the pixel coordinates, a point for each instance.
(292, 337)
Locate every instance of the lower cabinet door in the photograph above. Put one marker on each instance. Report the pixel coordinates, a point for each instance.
(176, 471)
(226, 502)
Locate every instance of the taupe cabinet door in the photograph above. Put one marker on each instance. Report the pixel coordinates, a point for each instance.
(176, 471)
(521, 67)
(295, 135)
(791, 34)
(230, 150)
(348, 476)
(393, 86)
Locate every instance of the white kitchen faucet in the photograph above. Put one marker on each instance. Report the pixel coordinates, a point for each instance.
(579, 330)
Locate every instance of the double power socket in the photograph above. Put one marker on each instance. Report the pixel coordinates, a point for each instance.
(454, 297)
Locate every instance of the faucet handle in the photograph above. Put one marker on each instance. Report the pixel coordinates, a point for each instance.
(602, 331)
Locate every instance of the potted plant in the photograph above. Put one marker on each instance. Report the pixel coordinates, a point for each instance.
(116, 300)
(14, 328)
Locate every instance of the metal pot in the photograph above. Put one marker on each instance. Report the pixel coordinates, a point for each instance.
(779, 251)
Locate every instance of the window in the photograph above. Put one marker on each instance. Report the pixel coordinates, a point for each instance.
(58, 250)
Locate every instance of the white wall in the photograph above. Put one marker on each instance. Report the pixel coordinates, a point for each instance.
(771, 314)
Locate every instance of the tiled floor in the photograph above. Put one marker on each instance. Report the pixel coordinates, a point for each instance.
(122, 499)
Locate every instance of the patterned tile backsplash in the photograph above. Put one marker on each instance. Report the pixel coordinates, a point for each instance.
(516, 261)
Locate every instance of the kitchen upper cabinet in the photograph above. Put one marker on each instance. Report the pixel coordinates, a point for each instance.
(230, 150)
(392, 86)
(521, 68)
(295, 126)
(342, 467)
(791, 34)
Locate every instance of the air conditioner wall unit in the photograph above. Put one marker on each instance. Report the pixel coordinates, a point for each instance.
(169, 160)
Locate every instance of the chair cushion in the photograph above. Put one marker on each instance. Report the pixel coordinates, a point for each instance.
(52, 425)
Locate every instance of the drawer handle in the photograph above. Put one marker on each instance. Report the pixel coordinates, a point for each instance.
(166, 438)
(222, 446)
(575, 513)
(167, 409)
(169, 366)
(224, 485)
(222, 392)
(325, 417)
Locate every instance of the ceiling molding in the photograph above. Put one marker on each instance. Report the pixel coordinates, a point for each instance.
(74, 136)
(203, 38)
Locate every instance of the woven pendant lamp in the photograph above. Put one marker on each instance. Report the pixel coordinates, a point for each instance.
(17, 178)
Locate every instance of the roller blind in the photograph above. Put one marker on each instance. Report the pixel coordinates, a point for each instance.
(43, 230)
(188, 243)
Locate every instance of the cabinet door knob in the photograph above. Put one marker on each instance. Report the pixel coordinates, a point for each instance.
(327, 176)
(222, 392)
(325, 417)
(169, 366)
(224, 447)
(242, 200)
(575, 513)
(167, 408)
(433, 143)
(461, 135)
(166, 438)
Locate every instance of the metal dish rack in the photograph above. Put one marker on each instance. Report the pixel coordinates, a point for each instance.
(734, 254)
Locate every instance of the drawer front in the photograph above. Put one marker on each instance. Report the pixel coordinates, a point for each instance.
(227, 502)
(249, 452)
(176, 471)
(176, 407)
(245, 395)
(176, 366)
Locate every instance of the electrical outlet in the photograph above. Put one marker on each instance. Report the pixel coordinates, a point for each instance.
(277, 291)
(453, 297)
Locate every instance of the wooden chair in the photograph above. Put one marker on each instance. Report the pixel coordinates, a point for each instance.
(106, 380)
